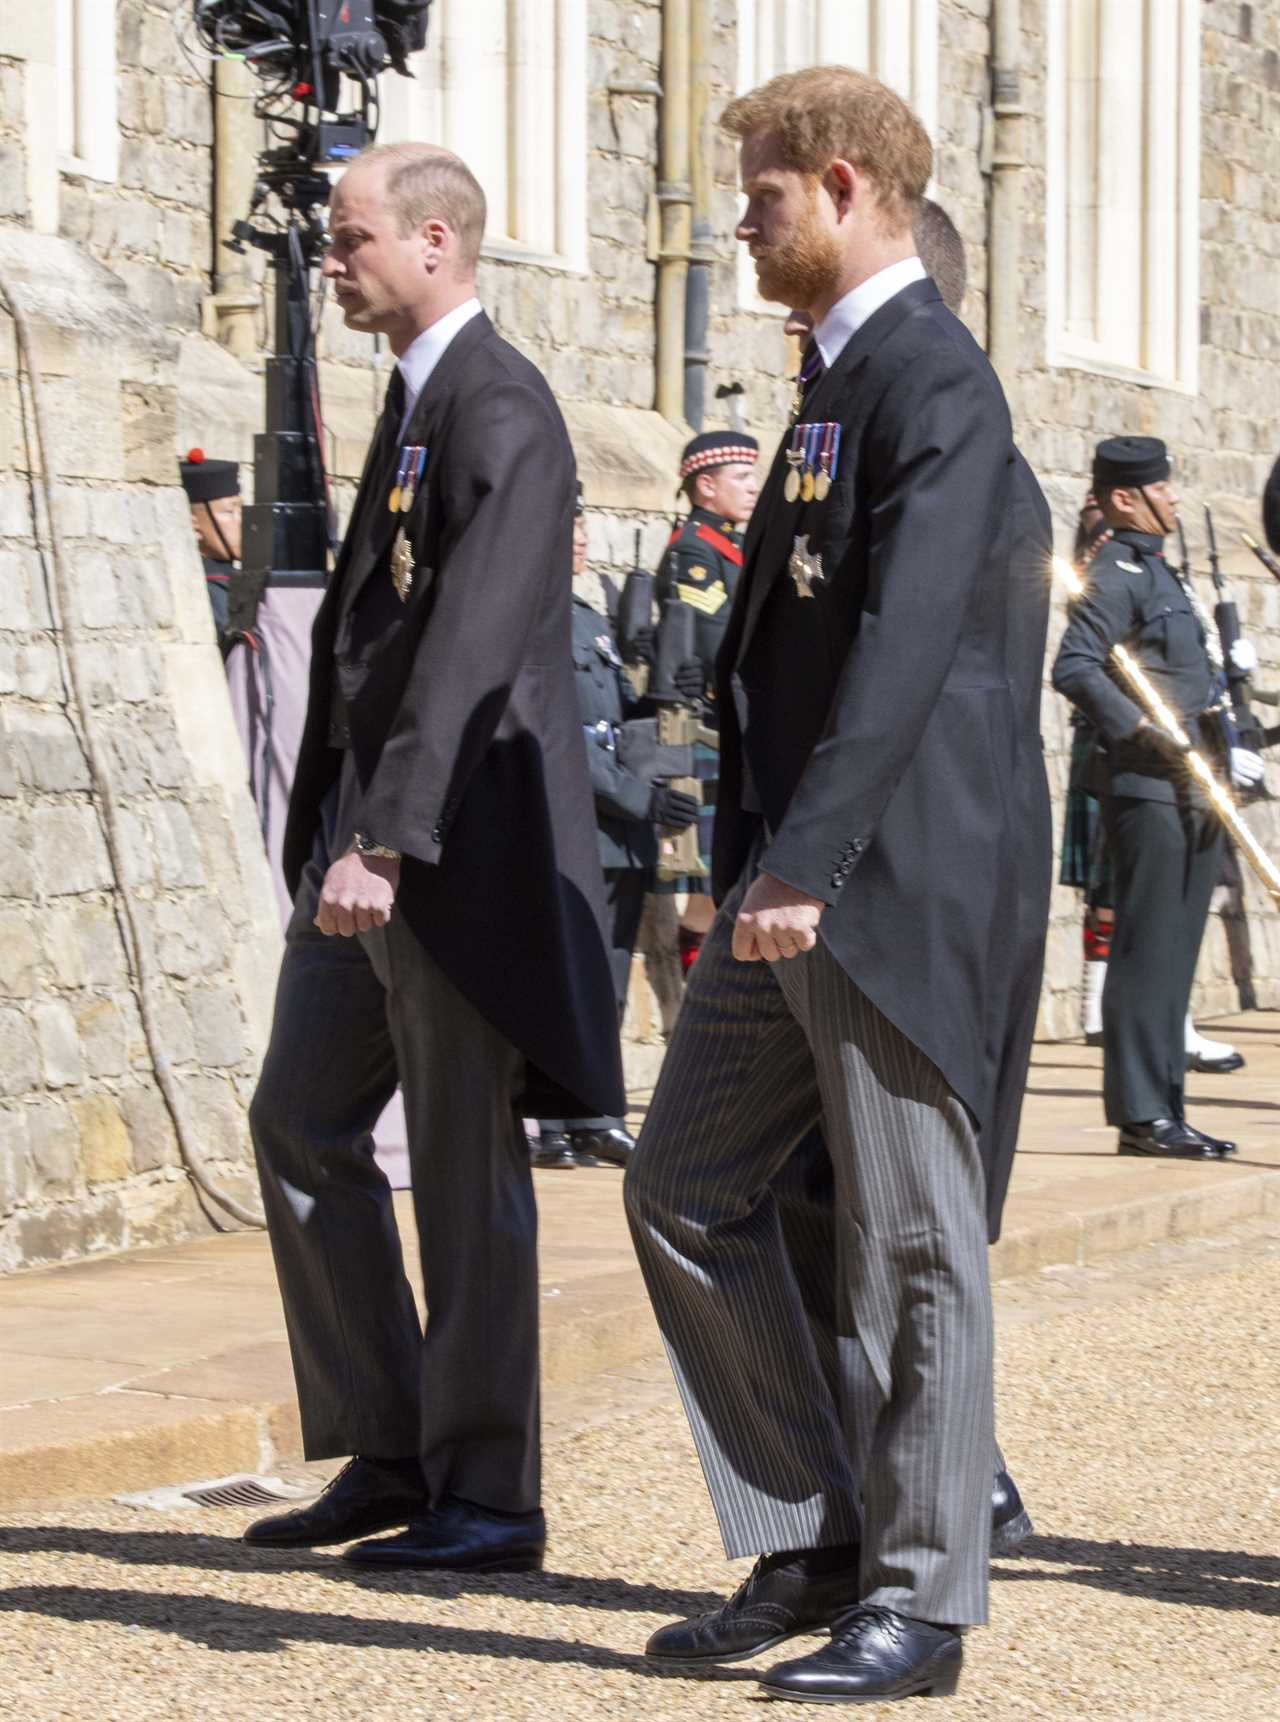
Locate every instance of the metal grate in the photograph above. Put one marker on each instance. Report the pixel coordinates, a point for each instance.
(242, 1490)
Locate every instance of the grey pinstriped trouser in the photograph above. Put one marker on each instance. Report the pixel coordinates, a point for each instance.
(881, 1430)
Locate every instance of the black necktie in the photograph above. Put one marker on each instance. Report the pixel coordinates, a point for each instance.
(392, 415)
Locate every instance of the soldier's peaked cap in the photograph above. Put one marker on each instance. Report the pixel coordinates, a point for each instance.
(718, 448)
(207, 480)
(1129, 460)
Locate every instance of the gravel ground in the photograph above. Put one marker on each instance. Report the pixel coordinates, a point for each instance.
(1138, 1408)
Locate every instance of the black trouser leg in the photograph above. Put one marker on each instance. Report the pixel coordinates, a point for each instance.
(330, 1069)
(1164, 860)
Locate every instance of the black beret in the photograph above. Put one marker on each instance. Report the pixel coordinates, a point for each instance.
(208, 480)
(717, 448)
(1271, 509)
(1125, 460)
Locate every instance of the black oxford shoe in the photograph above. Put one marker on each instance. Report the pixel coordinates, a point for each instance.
(1172, 1139)
(1010, 1521)
(458, 1536)
(874, 1654)
(365, 1497)
(554, 1151)
(613, 1147)
(777, 1600)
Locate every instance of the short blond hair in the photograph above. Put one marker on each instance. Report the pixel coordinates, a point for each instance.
(832, 113)
(425, 182)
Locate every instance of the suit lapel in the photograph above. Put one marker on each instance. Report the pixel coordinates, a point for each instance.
(767, 549)
(374, 525)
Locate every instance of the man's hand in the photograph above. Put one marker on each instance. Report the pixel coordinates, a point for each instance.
(357, 894)
(775, 920)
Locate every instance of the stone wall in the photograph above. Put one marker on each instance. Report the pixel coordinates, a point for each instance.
(88, 1157)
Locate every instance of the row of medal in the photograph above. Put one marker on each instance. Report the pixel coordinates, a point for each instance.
(409, 470)
(812, 458)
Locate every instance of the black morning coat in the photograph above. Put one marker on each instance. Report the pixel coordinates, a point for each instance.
(464, 723)
(883, 735)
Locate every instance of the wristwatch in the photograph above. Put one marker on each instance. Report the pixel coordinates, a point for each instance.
(365, 845)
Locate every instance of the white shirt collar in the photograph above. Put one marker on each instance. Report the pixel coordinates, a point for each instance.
(425, 351)
(847, 315)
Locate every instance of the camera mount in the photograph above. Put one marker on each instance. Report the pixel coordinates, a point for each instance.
(308, 54)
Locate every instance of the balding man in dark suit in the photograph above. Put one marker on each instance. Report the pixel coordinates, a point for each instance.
(448, 922)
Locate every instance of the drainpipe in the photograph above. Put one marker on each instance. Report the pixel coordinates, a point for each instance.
(1008, 160)
(674, 201)
(237, 302)
(697, 309)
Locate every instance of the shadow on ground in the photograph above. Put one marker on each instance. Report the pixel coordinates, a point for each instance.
(1204, 1578)
(228, 1554)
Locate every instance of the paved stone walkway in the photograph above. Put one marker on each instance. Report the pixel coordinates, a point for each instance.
(1138, 1407)
(167, 1365)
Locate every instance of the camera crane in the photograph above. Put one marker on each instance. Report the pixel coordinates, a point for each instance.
(308, 54)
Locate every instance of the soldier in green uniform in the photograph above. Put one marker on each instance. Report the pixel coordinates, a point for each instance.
(701, 566)
(1163, 840)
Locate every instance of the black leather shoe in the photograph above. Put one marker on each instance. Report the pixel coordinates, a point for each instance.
(1171, 1139)
(555, 1151)
(1218, 1146)
(613, 1147)
(777, 1600)
(363, 1498)
(459, 1536)
(874, 1654)
(1216, 1066)
(1010, 1522)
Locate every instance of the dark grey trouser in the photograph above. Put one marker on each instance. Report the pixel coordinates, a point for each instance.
(351, 1015)
(1164, 863)
(900, 1455)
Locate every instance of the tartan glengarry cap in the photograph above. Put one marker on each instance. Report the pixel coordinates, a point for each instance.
(208, 480)
(1129, 460)
(718, 448)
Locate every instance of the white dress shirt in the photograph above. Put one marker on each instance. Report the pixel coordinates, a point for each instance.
(847, 315)
(425, 351)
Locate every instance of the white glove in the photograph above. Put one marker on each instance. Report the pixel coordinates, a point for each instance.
(1246, 768)
(1244, 657)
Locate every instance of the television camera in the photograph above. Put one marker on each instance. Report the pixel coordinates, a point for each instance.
(312, 57)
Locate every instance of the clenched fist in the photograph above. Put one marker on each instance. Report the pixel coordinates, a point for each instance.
(775, 921)
(357, 894)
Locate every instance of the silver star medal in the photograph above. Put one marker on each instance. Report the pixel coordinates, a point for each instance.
(805, 567)
(402, 566)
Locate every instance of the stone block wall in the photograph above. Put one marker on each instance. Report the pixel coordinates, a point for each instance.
(88, 1155)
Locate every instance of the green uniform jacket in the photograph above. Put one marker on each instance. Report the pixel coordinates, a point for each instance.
(1133, 598)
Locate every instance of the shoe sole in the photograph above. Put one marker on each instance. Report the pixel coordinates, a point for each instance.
(749, 1655)
(1008, 1538)
(374, 1530)
(1137, 1153)
(499, 1564)
(942, 1685)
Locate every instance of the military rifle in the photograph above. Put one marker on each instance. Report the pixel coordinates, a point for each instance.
(1249, 731)
(661, 748)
